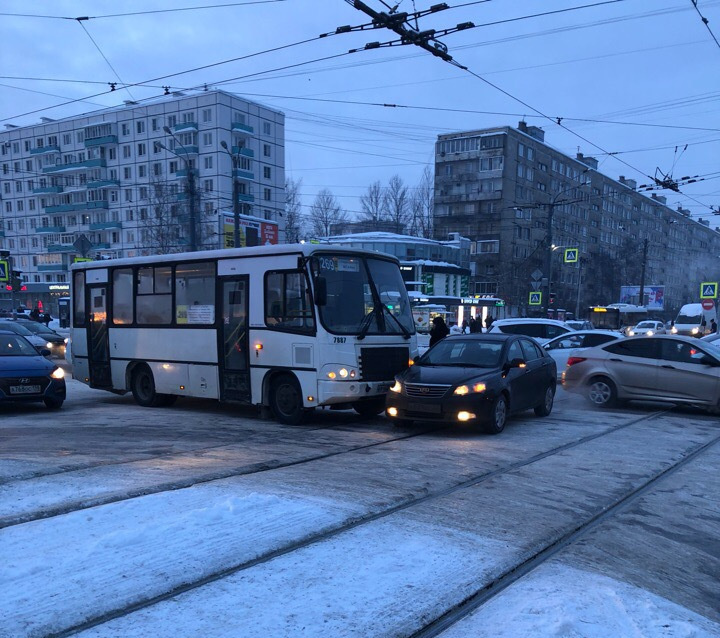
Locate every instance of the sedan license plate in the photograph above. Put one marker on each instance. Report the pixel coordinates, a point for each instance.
(24, 389)
(431, 408)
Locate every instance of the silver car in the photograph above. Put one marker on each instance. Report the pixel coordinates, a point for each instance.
(662, 368)
(565, 346)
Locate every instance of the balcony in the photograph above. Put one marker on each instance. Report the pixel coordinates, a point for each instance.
(183, 172)
(105, 225)
(61, 248)
(102, 246)
(239, 127)
(41, 150)
(66, 208)
(246, 198)
(100, 141)
(189, 149)
(102, 183)
(47, 189)
(241, 150)
(50, 229)
(75, 166)
(249, 175)
(185, 126)
(52, 268)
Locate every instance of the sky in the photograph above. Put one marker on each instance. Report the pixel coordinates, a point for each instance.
(649, 71)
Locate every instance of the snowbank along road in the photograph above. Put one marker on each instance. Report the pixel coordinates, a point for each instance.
(200, 519)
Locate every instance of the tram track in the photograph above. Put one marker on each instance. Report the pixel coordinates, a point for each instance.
(465, 607)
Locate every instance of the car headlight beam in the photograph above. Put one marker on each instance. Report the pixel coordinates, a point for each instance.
(57, 373)
(396, 387)
(462, 390)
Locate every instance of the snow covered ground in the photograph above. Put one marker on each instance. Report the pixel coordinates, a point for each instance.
(651, 570)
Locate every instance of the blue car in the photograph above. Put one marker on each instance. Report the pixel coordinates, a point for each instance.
(26, 375)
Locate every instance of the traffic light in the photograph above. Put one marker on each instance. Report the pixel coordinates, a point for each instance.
(552, 298)
(16, 284)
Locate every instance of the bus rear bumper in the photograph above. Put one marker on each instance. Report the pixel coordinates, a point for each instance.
(330, 392)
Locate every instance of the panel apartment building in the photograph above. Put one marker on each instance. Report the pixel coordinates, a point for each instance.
(496, 186)
(136, 180)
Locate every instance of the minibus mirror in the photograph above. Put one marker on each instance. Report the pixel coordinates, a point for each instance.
(320, 290)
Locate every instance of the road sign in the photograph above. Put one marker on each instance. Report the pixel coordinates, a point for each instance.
(82, 244)
(4, 270)
(709, 290)
(534, 285)
(708, 304)
(536, 274)
(571, 255)
(535, 299)
(79, 260)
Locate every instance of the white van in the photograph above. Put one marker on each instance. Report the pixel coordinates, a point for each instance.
(693, 320)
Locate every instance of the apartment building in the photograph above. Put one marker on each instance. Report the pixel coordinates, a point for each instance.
(145, 178)
(498, 186)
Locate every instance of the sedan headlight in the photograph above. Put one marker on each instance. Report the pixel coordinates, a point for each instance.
(396, 387)
(57, 373)
(462, 390)
(49, 345)
(631, 333)
(673, 330)
(650, 333)
(66, 340)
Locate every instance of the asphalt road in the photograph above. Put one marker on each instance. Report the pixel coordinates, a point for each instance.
(630, 495)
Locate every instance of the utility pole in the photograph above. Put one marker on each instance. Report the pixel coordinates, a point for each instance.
(641, 300)
(548, 258)
(235, 194)
(191, 190)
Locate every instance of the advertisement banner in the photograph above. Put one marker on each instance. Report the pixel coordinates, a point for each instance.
(654, 295)
(254, 231)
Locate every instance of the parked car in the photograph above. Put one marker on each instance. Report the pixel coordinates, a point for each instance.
(648, 328)
(25, 375)
(53, 341)
(542, 330)
(662, 368)
(567, 345)
(477, 378)
(712, 337)
(11, 325)
(577, 324)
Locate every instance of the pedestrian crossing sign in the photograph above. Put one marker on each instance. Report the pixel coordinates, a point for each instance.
(535, 299)
(709, 290)
(571, 255)
(4, 270)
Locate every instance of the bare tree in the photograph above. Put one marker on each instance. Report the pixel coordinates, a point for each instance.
(293, 207)
(325, 212)
(373, 205)
(422, 204)
(159, 222)
(397, 204)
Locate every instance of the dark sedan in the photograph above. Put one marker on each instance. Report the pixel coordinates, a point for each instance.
(27, 376)
(479, 378)
(53, 341)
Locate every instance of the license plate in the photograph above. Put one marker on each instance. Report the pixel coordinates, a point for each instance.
(24, 389)
(431, 408)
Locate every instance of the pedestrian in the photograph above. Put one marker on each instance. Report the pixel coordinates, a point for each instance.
(465, 326)
(488, 323)
(473, 325)
(713, 326)
(46, 319)
(35, 314)
(439, 330)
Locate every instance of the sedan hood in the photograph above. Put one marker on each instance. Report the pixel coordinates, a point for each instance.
(444, 375)
(11, 366)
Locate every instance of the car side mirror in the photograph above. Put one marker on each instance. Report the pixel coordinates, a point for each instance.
(517, 362)
(320, 291)
(45, 352)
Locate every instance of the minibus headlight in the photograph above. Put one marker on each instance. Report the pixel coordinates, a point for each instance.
(57, 373)
(694, 331)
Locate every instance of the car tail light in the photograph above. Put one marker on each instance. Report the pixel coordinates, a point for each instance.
(573, 360)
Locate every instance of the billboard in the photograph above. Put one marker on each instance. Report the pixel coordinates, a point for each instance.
(654, 295)
(254, 231)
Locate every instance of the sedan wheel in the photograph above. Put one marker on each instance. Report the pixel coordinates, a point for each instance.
(602, 393)
(498, 415)
(545, 408)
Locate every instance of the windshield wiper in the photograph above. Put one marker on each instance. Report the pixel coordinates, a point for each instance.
(365, 324)
(405, 331)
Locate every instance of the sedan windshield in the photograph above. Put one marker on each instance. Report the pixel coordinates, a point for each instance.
(11, 326)
(470, 353)
(646, 325)
(36, 328)
(364, 296)
(15, 346)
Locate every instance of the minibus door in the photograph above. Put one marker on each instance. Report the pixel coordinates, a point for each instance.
(98, 339)
(234, 341)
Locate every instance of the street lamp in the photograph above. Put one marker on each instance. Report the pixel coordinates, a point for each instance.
(189, 187)
(235, 194)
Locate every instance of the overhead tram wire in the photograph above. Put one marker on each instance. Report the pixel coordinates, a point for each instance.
(193, 70)
(137, 13)
(104, 57)
(705, 21)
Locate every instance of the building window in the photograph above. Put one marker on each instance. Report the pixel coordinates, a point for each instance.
(208, 161)
(267, 173)
(112, 153)
(142, 170)
(140, 126)
(207, 115)
(208, 185)
(267, 128)
(157, 169)
(173, 166)
(488, 246)
(126, 152)
(128, 194)
(207, 139)
(127, 172)
(141, 149)
(171, 120)
(125, 129)
(267, 194)
(266, 150)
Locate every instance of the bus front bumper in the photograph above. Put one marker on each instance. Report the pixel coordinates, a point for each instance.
(330, 392)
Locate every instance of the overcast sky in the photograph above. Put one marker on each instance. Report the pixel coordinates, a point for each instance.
(629, 61)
